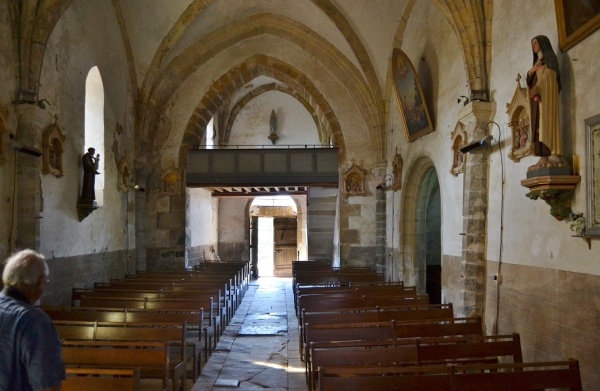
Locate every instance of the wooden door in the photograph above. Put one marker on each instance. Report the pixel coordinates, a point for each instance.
(284, 245)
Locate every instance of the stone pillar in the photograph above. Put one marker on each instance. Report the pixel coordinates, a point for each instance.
(475, 117)
(28, 197)
(380, 231)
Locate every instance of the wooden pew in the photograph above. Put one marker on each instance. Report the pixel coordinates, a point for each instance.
(101, 379)
(376, 331)
(197, 331)
(420, 351)
(131, 333)
(520, 376)
(374, 314)
(151, 358)
(430, 378)
(490, 377)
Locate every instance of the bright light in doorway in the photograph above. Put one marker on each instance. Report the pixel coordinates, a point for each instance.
(274, 201)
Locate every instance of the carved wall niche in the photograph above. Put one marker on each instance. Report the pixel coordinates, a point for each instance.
(520, 123)
(52, 151)
(124, 175)
(171, 181)
(354, 181)
(397, 165)
(459, 140)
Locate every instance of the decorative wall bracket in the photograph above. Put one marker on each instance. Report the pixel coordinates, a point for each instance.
(84, 210)
(556, 190)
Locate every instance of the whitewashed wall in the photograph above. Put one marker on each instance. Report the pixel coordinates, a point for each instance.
(87, 35)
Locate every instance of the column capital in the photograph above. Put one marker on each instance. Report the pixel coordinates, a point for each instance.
(476, 111)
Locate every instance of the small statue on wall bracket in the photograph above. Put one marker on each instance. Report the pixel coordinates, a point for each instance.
(87, 201)
(273, 125)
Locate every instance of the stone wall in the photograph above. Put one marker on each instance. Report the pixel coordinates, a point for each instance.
(82, 272)
(555, 312)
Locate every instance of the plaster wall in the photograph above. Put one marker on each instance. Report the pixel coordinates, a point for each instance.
(233, 231)
(201, 224)
(295, 126)
(87, 35)
(532, 236)
(8, 124)
(431, 44)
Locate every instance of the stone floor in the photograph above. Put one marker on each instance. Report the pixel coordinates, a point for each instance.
(259, 349)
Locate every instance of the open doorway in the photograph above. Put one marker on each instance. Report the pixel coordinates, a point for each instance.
(276, 235)
(265, 246)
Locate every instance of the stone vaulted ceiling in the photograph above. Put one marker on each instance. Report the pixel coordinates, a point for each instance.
(167, 41)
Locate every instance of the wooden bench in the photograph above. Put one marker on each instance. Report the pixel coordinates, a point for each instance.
(196, 330)
(151, 358)
(174, 333)
(374, 314)
(101, 379)
(420, 351)
(489, 377)
(431, 378)
(375, 331)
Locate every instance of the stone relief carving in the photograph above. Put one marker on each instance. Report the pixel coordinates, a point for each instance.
(459, 139)
(354, 181)
(52, 151)
(519, 121)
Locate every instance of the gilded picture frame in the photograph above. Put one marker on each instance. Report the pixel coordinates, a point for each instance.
(592, 168)
(576, 19)
(409, 94)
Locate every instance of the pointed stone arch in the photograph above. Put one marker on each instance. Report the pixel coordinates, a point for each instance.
(225, 89)
(195, 56)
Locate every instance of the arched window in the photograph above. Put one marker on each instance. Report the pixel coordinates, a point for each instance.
(210, 134)
(94, 125)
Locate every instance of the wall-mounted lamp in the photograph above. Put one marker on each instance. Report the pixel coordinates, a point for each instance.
(139, 188)
(383, 185)
(474, 146)
(464, 99)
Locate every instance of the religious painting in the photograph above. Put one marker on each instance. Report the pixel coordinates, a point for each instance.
(593, 175)
(409, 95)
(519, 121)
(576, 19)
(171, 181)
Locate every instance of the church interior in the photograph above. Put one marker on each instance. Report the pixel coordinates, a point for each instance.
(412, 138)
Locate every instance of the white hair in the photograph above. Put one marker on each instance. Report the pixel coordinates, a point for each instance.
(24, 268)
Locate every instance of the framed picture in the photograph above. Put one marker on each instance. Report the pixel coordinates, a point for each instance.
(576, 19)
(409, 94)
(592, 141)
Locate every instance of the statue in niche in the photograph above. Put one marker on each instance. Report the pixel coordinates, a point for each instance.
(518, 111)
(459, 137)
(543, 82)
(53, 150)
(90, 170)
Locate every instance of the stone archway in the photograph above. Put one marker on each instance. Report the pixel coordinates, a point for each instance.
(409, 241)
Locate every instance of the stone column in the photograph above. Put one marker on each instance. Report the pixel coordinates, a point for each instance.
(475, 116)
(28, 197)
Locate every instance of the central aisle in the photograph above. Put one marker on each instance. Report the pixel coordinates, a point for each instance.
(259, 348)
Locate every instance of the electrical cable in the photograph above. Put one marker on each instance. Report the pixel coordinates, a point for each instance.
(495, 329)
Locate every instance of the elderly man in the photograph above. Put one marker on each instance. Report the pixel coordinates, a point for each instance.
(30, 348)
